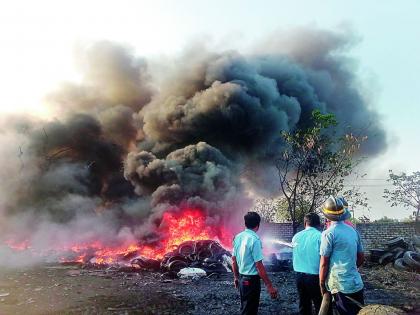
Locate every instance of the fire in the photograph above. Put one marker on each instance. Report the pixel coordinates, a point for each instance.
(189, 225)
(175, 228)
(23, 245)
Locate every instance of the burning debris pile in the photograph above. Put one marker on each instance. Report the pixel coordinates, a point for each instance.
(137, 141)
(206, 255)
(185, 240)
(405, 255)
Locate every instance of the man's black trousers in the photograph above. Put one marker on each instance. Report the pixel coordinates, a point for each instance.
(349, 303)
(249, 289)
(309, 292)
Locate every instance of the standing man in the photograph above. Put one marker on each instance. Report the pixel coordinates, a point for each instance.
(248, 267)
(341, 256)
(306, 245)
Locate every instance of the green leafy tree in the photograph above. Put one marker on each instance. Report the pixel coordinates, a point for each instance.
(405, 192)
(272, 209)
(314, 164)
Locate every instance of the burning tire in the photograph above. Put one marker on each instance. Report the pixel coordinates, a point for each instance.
(216, 249)
(192, 257)
(177, 257)
(208, 255)
(203, 254)
(177, 265)
(186, 249)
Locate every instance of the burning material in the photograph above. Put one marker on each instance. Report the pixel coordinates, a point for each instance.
(188, 225)
(185, 240)
(206, 255)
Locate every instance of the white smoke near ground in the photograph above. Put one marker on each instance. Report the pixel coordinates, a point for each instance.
(125, 147)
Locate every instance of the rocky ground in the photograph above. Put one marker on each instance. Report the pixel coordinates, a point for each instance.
(57, 289)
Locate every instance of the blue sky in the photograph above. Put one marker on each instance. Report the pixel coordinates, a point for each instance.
(38, 40)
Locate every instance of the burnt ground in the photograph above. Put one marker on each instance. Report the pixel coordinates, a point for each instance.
(61, 289)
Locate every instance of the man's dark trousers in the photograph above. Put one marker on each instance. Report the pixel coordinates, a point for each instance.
(345, 302)
(309, 292)
(249, 289)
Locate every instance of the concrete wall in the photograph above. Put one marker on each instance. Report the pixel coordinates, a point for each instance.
(374, 234)
(281, 231)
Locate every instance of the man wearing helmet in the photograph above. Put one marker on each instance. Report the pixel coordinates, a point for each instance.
(341, 254)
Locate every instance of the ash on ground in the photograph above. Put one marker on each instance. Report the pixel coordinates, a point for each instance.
(58, 289)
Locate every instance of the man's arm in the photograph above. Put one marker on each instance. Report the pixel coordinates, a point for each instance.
(235, 270)
(323, 272)
(325, 251)
(263, 274)
(360, 254)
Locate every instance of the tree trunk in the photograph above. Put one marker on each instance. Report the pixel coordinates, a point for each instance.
(417, 224)
(295, 226)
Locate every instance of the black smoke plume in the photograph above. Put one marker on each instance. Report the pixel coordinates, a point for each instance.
(124, 147)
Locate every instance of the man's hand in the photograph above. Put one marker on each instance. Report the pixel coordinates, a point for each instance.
(236, 282)
(323, 272)
(235, 270)
(272, 291)
(263, 274)
(323, 288)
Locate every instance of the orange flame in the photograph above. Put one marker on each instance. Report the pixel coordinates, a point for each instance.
(22, 245)
(187, 225)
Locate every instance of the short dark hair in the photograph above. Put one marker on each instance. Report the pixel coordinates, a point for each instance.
(312, 219)
(252, 220)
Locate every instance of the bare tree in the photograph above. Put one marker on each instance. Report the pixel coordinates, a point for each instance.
(406, 192)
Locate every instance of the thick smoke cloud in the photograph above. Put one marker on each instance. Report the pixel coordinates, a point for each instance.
(112, 75)
(241, 104)
(196, 172)
(125, 147)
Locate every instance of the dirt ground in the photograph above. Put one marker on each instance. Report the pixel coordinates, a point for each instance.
(57, 289)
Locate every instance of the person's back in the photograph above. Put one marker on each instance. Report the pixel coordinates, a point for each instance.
(306, 251)
(248, 267)
(243, 249)
(341, 254)
(345, 243)
(306, 245)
